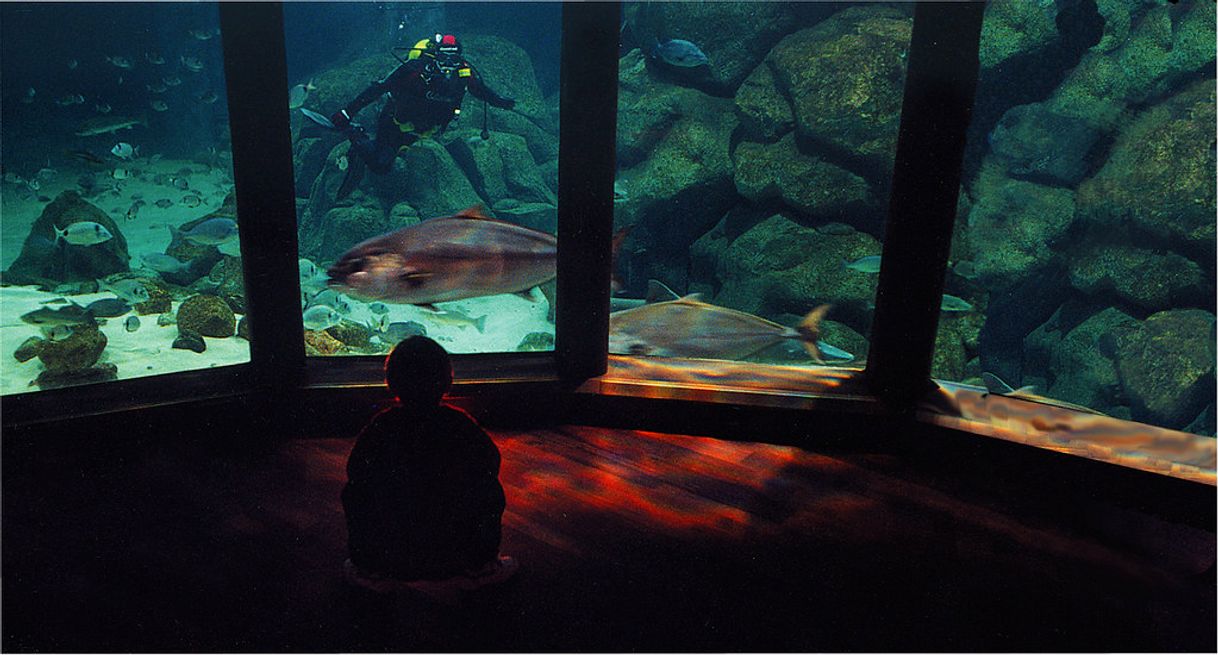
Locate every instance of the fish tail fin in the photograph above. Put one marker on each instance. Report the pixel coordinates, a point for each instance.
(59, 234)
(809, 331)
(480, 323)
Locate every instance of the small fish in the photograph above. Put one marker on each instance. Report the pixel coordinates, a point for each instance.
(83, 233)
(120, 173)
(192, 64)
(28, 96)
(334, 299)
(181, 183)
(399, 330)
(108, 307)
(154, 58)
(951, 303)
(47, 174)
(129, 290)
(308, 270)
(191, 200)
(164, 203)
(132, 323)
(207, 97)
(320, 317)
(202, 35)
(162, 263)
(298, 94)
(124, 150)
(102, 107)
(72, 64)
(868, 264)
(211, 232)
(836, 229)
(33, 184)
(134, 210)
(66, 101)
(171, 80)
(833, 353)
(57, 332)
(121, 62)
(71, 314)
(106, 125)
(159, 105)
(156, 88)
(619, 193)
(679, 53)
(965, 269)
(378, 308)
(458, 319)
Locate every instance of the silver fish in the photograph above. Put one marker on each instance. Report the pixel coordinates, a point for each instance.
(211, 232)
(679, 53)
(449, 258)
(951, 303)
(691, 328)
(83, 233)
(320, 317)
(72, 314)
(106, 125)
(868, 264)
(162, 263)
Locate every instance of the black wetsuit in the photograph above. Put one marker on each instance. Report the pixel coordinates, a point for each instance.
(422, 101)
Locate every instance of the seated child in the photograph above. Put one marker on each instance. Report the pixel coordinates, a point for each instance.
(423, 499)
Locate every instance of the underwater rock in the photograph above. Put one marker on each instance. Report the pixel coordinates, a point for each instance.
(1168, 45)
(226, 280)
(309, 158)
(1013, 227)
(501, 168)
(507, 69)
(312, 229)
(1142, 278)
(647, 109)
(803, 182)
(320, 342)
(1166, 367)
(206, 315)
(535, 215)
(846, 81)
(201, 257)
(159, 299)
(77, 352)
(337, 86)
(765, 113)
(350, 334)
(189, 340)
(48, 263)
(1014, 311)
(57, 379)
(542, 145)
(28, 349)
(734, 36)
(767, 271)
(168, 319)
(1076, 358)
(243, 328)
(536, 341)
(1033, 142)
(344, 226)
(1159, 176)
(403, 215)
(429, 179)
(951, 354)
(1012, 29)
(1204, 424)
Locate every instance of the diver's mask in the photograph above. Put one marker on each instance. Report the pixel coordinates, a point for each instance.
(447, 54)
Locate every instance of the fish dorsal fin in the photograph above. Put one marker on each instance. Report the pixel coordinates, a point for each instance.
(692, 299)
(995, 384)
(657, 291)
(474, 211)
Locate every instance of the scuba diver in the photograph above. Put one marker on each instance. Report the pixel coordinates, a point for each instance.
(425, 94)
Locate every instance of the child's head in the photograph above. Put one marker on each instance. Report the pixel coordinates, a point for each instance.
(418, 371)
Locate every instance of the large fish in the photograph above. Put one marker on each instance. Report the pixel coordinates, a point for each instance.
(447, 258)
(106, 125)
(688, 327)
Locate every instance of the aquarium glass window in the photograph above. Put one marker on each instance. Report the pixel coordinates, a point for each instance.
(425, 141)
(118, 239)
(1082, 268)
(755, 150)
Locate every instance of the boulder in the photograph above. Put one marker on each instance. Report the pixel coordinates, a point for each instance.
(428, 178)
(47, 263)
(647, 109)
(803, 182)
(202, 258)
(536, 215)
(1074, 357)
(507, 70)
(226, 280)
(1014, 226)
(765, 113)
(846, 81)
(207, 316)
(1136, 277)
(359, 217)
(501, 168)
(1159, 176)
(79, 351)
(734, 36)
(1013, 29)
(1166, 367)
(1035, 143)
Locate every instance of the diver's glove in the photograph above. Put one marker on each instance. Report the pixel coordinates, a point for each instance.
(341, 119)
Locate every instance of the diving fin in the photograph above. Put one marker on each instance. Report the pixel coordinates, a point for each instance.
(317, 118)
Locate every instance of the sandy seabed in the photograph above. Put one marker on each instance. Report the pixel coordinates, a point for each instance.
(148, 350)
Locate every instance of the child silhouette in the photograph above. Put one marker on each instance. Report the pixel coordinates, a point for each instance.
(423, 500)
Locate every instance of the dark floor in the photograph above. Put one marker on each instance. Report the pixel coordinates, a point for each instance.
(627, 541)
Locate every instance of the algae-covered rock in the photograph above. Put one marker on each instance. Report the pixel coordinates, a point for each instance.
(337, 86)
(536, 215)
(1012, 29)
(1077, 359)
(1013, 227)
(779, 266)
(308, 158)
(1159, 176)
(735, 36)
(950, 355)
(189, 340)
(429, 179)
(501, 168)
(803, 182)
(206, 315)
(765, 113)
(1166, 367)
(77, 352)
(1141, 278)
(1035, 143)
(160, 300)
(846, 81)
(506, 68)
(536, 341)
(46, 262)
(201, 257)
(348, 224)
(403, 215)
(350, 334)
(647, 109)
(319, 342)
(28, 349)
(104, 372)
